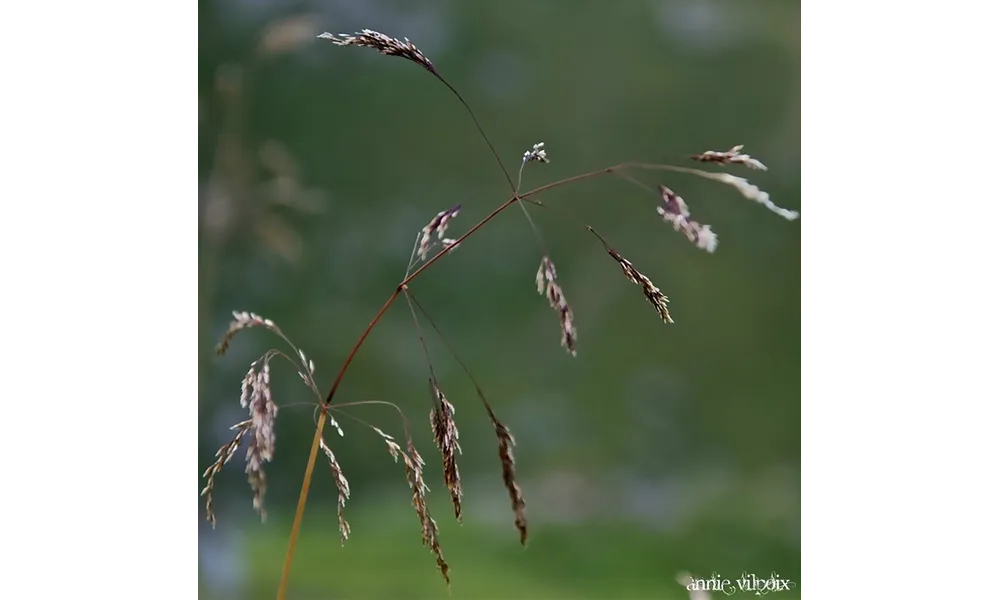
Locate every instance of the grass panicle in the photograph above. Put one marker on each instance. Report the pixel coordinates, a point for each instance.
(674, 210)
(504, 438)
(653, 294)
(445, 433)
(507, 462)
(258, 432)
(545, 281)
(413, 464)
(389, 46)
(733, 156)
(343, 491)
(222, 456)
(436, 228)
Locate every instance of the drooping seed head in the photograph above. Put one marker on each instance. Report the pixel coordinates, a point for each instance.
(652, 293)
(445, 432)
(507, 463)
(343, 491)
(545, 280)
(749, 191)
(389, 46)
(674, 210)
(243, 320)
(733, 156)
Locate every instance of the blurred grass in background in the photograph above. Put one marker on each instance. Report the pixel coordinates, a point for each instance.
(659, 448)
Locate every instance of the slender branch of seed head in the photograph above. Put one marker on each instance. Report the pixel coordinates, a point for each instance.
(504, 437)
(273, 328)
(631, 179)
(413, 254)
(534, 229)
(420, 331)
(339, 409)
(563, 212)
(480, 128)
(603, 241)
(454, 354)
(535, 154)
(406, 49)
(442, 422)
(307, 375)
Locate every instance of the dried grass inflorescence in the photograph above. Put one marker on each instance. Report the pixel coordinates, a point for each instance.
(674, 210)
(545, 279)
(506, 451)
(413, 463)
(537, 153)
(752, 192)
(749, 191)
(445, 432)
(222, 456)
(733, 156)
(389, 46)
(242, 320)
(437, 227)
(255, 395)
(652, 293)
(343, 491)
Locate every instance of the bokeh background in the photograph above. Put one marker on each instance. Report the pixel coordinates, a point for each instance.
(660, 448)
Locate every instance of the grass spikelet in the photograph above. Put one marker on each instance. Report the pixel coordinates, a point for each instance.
(343, 491)
(674, 210)
(545, 279)
(446, 437)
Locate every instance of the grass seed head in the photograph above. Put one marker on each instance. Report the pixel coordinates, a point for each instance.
(733, 156)
(548, 286)
(674, 210)
(389, 46)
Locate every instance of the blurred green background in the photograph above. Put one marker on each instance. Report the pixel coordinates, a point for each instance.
(660, 448)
